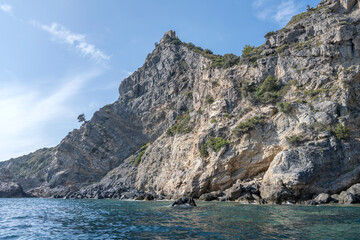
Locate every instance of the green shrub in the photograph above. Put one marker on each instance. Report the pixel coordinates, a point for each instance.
(244, 111)
(299, 17)
(284, 107)
(182, 126)
(247, 51)
(341, 132)
(248, 125)
(214, 143)
(286, 30)
(203, 151)
(209, 99)
(281, 49)
(268, 91)
(138, 158)
(313, 93)
(141, 153)
(227, 115)
(218, 61)
(251, 54)
(215, 83)
(230, 60)
(295, 139)
(188, 94)
(176, 41)
(213, 120)
(320, 127)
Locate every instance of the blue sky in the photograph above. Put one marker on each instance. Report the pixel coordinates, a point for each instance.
(61, 58)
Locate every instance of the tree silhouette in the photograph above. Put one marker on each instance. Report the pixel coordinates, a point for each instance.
(81, 118)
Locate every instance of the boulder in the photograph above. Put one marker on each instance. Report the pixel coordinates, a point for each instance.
(234, 191)
(355, 190)
(184, 201)
(335, 198)
(211, 196)
(275, 192)
(149, 197)
(323, 198)
(347, 198)
(11, 190)
(246, 198)
(311, 202)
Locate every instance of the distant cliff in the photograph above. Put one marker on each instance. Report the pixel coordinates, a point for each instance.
(281, 123)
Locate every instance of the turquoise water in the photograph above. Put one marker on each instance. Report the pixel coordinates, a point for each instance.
(114, 219)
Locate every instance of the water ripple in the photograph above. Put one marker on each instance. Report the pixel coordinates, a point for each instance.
(113, 219)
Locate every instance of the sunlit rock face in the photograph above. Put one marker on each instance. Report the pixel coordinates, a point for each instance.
(188, 122)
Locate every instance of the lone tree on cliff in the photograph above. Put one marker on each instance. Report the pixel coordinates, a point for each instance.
(81, 118)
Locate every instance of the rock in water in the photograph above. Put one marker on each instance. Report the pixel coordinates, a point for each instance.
(8, 188)
(11, 190)
(184, 201)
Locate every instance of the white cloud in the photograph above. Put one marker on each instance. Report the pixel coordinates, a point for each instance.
(60, 33)
(28, 112)
(6, 8)
(285, 11)
(258, 3)
(280, 13)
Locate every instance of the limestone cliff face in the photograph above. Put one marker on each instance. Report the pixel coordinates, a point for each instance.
(189, 122)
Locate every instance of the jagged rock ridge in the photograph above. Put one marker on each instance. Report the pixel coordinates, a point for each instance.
(279, 125)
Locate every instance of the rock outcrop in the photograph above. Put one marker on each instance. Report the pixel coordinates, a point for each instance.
(280, 124)
(8, 188)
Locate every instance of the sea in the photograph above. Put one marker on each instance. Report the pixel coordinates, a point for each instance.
(115, 219)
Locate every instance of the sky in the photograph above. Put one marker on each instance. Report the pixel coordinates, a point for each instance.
(61, 58)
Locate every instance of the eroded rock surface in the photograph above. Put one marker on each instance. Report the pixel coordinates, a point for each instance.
(281, 124)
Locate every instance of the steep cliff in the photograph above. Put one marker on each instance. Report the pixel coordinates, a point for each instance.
(283, 119)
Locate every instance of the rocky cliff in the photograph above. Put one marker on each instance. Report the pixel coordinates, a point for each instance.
(281, 123)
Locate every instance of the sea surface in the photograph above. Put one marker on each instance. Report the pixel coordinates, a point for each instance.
(114, 219)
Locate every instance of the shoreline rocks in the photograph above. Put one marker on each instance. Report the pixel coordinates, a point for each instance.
(184, 201)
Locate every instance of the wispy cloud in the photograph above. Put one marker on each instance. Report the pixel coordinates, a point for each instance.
(285, 11)
(78, 41)
(28, 112)
(62, 34)
(6, 8)
(280, 13)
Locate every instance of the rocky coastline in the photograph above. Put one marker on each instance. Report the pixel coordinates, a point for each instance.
(280, 124)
